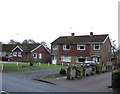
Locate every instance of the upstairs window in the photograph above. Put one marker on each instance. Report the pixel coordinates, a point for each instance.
(55, 47)
(66, 47)
(96, 46)
(81, 47)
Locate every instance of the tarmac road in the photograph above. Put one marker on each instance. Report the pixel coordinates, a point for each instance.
(13, 83)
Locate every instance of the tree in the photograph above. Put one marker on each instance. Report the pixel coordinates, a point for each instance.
(12, 41)
(114, 48)
(29, 41)
(44, 43)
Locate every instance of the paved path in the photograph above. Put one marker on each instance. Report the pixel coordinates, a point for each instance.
(96, 83)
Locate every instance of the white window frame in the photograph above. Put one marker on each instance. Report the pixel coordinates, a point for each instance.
(65, 48)
(55, 47)
(65, 58)
(95, 47)
(35, 55)
(40, 55)
(78, 58)
(78, 46)
(14, 54)
(19, 54)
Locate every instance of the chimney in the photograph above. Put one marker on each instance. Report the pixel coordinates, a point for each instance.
(91, 33)
(72, 34)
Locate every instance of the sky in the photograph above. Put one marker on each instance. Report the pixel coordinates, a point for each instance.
(46, 20)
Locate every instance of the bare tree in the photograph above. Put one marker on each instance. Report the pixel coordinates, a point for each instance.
(114, 48)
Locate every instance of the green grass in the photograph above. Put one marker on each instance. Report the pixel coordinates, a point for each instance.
(25, 66)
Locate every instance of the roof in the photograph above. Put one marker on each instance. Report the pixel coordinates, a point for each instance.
(80, 39)
(24, 47)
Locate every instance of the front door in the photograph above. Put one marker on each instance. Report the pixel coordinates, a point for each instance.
(54, 59)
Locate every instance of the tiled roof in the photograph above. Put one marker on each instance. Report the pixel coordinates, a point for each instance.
(24, 47)
(80, 39)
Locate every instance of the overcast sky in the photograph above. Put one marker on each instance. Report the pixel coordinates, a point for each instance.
(46, 20)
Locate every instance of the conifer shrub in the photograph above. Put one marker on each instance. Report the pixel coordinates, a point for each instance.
(63, 72)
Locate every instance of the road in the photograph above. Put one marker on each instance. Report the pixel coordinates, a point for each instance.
(22, 81)
(13, 83)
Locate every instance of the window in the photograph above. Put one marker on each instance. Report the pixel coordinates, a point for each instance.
(81, 47)
(40, 55)
(80, 59)
(34, 55)
(55, 47)
(19, 54)
(96, 46)
(65, 58)
(15, 54)
(66, 47)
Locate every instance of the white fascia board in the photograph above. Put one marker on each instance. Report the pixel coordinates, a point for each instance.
(35, 48)
(105, 39)
(38, 47)
(18, 48)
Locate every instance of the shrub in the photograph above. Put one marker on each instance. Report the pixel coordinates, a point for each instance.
(63, 72)
(116, 79)
(78, 71)
(98, 69)
(31, 64)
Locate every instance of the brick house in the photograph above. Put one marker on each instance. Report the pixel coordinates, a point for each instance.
(76, 49)
(27, 52)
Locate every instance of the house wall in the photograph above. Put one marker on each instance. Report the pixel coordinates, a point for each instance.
(45, 55)
(26, 57)
(104, 52)
(16, 58)
(73, 51)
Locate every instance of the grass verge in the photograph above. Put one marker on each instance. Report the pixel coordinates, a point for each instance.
(25, 66)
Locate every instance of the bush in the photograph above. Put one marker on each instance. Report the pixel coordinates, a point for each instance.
(63, 72)
(78, 71)
(116, 79)
(31, 64)
(98, 69)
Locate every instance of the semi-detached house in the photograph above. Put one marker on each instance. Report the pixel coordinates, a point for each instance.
(76, 49)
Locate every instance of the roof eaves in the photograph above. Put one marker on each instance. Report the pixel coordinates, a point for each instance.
(18, 48)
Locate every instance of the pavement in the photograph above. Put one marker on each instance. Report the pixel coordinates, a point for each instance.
(96, 83)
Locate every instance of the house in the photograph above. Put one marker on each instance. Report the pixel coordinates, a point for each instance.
(76, 49)
(27, 52)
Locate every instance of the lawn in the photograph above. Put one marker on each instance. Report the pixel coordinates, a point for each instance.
(25, 66)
